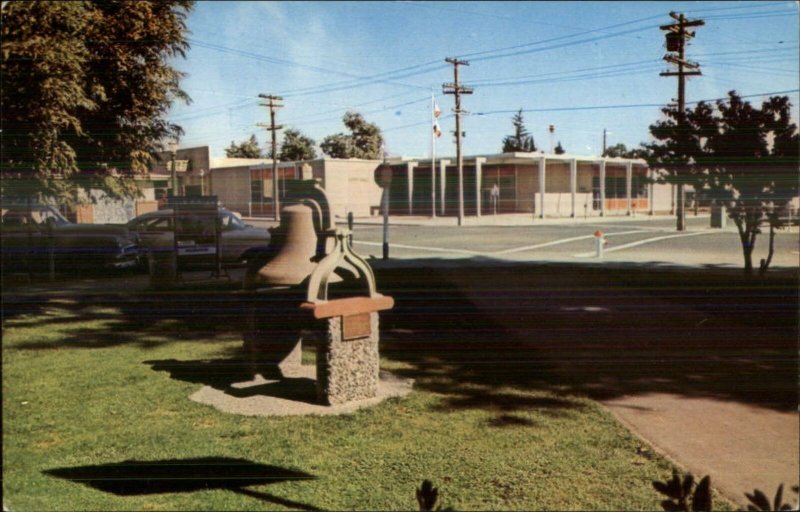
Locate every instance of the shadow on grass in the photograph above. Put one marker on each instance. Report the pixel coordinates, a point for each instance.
(470, 332)
(134, 478)
(224, 374)
(473, 328)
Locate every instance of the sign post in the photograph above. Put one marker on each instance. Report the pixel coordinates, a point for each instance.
(197, 232)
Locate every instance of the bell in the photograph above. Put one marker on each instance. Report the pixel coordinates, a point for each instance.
(294, 244)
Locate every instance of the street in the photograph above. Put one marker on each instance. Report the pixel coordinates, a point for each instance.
(641, 240)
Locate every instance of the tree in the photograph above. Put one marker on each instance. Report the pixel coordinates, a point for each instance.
(521, 140)
(727, 150)
(245, 149)
(754, 178)
(559, 150)
(619, 150)
(296, 146)
(364, 141)
(679, 147)
(86, 89)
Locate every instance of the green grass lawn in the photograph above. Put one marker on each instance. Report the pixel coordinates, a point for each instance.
(89, 424)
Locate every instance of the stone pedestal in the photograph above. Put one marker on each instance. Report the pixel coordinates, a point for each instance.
(348, 361)
(347, 368)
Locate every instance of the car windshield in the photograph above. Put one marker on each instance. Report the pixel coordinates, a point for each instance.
(231, 222)
(163, 222)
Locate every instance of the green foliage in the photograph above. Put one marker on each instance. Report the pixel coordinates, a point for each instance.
(726, 149)
(621, 151)
(559, 150)
(521, 140)
(681, 497)
(86, 89)
(245, 149)
(296, 146)
(364, 141)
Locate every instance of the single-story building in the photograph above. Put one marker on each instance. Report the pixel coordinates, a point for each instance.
(545, 185)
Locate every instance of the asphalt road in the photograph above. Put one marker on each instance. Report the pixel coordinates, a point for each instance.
(632, 240)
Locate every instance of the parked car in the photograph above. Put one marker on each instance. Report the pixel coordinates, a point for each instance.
(238, 240)
(36, 236)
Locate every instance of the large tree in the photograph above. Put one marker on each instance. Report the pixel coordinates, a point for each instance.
(245, 149)
(296, 146)
(86, 89)
(746, 157)
(751, 160)
(521, 140)
(364, 140)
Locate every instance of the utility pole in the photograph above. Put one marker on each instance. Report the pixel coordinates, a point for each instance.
(677, 38)
(604, 143)
(273, 128)
(457, 89)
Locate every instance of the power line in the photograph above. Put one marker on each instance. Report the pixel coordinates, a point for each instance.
(263, 58)
(625, 106)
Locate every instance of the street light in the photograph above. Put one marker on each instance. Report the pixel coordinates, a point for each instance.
(172, 145)
(202, 182)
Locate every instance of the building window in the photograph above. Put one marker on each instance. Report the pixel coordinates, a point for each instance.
(255, 191)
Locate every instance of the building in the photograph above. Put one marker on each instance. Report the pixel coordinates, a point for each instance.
(544, 185)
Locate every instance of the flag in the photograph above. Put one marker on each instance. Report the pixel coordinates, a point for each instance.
(436, 130)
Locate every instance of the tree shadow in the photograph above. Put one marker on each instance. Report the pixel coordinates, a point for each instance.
(135, 478)
(469, 332)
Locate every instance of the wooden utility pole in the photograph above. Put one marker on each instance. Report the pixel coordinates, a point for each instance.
(677, 38)
(272, 127)
(457, 89)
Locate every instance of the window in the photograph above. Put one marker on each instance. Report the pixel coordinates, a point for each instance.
(255, 191)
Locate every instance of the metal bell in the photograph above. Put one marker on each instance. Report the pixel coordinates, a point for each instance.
(294, 244)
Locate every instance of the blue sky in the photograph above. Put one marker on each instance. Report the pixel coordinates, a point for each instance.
(581, 66)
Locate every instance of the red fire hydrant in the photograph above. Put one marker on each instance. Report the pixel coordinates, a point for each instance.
(599, 242)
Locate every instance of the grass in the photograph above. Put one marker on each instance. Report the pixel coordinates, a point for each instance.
(81, 403)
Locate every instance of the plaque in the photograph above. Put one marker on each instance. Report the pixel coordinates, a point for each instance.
(356, 326)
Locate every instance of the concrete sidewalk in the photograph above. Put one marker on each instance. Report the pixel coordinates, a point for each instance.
(742, 447)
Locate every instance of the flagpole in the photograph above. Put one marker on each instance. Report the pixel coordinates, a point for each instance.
(433, 155)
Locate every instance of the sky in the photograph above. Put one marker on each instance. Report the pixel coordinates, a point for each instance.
(584, 67)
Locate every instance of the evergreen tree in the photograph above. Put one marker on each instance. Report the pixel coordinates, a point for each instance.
(245, 149)
(364, 141)
(521, 140)
(86, 89)
(679, 147)
(296, 146)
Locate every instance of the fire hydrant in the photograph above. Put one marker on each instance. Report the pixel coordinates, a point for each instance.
(599, 243)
